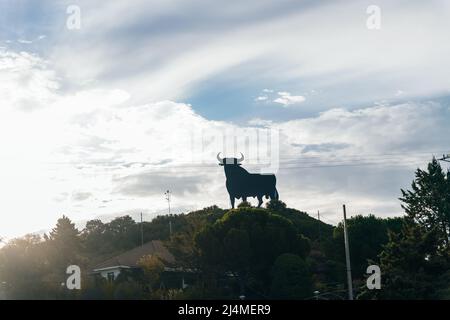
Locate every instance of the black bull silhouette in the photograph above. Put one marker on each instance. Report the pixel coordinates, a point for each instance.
(242, 184)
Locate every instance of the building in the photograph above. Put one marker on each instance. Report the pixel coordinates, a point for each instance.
(112, 267)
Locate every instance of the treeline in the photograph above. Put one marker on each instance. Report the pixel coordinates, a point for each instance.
(271, 253)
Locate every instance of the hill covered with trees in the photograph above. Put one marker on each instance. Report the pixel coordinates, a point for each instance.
(264, 253)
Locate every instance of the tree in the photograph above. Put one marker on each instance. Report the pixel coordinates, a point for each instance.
(409, 264)
(314, 229)
(414, 262)
(428, 203)
(64, 232)
(152, 268)
(93, 237)
(291, 278)
(276, 205)
(244, 204)
(246, 243)
(122, 233)
(64, 246)
(367, 235)
(22, 266)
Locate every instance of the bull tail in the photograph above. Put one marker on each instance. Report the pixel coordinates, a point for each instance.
(275, 194)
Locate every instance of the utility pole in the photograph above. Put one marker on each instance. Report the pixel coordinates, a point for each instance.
(347, 258)
(167, 194)
(142, 231)
(318, 225)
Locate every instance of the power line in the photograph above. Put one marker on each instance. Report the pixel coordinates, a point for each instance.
(286, 163)
(327, 221)
(299, 164)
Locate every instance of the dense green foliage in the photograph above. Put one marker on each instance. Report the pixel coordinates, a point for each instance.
(415, 261)
(367, 236)
(291, 278)
(246, 243)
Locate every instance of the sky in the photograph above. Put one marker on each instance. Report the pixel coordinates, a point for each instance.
(105, 105)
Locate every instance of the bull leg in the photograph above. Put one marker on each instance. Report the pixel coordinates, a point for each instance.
(260, 201)
(232, 201)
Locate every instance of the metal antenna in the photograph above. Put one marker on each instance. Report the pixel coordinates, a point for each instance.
(167, 194)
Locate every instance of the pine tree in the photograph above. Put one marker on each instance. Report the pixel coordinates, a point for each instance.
(64, 232)
(64, 244)
(428, 203)
(413, 261)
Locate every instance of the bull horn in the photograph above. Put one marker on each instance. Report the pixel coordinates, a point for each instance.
(218, 158)
(241, 159)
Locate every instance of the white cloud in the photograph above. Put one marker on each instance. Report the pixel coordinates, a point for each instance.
(92, 152)
(409, 126)
(23, 41)
(261, 98)
(88, 142)
(260, 122)
(102, 109)
(361, 157)
(27, 83)
(286, 99)
(304, 42)
(26, 41)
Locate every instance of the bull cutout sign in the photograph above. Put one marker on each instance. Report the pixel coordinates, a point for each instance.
(242, 184)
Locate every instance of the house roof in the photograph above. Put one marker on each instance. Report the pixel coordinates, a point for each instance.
(130, 258)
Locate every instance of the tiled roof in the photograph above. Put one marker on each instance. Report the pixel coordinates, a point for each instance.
(131, 258)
